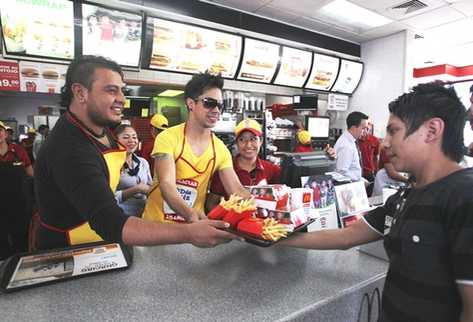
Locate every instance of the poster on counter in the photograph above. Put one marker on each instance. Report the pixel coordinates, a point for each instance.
(38, 28)
(9, 76)
(191, 49)
(260, 60)
(36, 269)
(42, 77)
(111, 33)
(324, 72)
(352, 201)
(337, 102)
(323, 201)
(349, 76)
(295, 65)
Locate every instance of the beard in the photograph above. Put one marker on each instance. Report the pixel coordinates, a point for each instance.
(99, 120)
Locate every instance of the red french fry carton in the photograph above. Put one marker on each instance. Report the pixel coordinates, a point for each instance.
(233, 217)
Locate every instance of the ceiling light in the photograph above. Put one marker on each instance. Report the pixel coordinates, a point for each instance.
(170, 93)
(350, 13)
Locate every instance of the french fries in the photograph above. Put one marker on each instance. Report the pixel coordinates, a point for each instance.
(273, 230)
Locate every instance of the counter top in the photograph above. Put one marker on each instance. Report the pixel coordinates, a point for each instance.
(232, 282)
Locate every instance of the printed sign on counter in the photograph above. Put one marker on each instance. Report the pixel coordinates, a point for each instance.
(324, 72)
(111, 33)
(41, 78)
(260, 60)
(9, 76)
(349, 76)
(40, 28)
(190, 49)
(295, 65)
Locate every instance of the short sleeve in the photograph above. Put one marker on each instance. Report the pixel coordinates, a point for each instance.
(224, 158)
(165, 142)
(460, 230)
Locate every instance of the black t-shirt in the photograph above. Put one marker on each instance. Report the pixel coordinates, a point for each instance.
(428, 236)
(72, 186)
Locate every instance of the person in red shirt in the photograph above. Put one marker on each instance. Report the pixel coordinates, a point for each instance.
(15, 167)
(250, 169)
(158, 124)
(13, 153)
(368, 145)
(304, 142)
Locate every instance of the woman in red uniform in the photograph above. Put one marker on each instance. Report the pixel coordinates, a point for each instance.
(15, 211)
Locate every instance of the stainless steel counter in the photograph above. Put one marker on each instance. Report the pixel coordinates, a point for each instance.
(233, 282)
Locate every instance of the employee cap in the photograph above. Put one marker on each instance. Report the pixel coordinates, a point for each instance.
(3, 126)
(303, 137)
(248, 125)
(159, 121)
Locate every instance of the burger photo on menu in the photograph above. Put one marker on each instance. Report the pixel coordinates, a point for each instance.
(189, 65)
(218, 68)
(163, 34)
(259, 64)
(30, 72)
(322, 78)
(50, 74)
(160, 60)
(222, 44)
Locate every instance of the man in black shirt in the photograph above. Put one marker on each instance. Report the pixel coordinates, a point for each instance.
(79, 165)
(427, 230)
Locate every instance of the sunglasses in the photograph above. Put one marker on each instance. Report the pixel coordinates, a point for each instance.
(210, 103)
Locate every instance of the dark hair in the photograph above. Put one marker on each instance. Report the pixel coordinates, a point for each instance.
(354, 119)
(202, 82)
(42, 127)
(426, 101)
(122, 127)
(81, 70)
(471, 89)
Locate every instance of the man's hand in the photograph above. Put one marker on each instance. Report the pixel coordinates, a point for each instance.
(196, 215)
(142, 188)
(208, 233)
(330, 152)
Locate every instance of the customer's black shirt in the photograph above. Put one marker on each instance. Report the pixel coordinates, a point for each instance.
(72, 186)
(428, 236)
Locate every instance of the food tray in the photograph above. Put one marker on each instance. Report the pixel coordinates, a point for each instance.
(266, 243)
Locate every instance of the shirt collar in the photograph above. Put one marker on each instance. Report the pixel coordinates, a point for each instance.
(259, 164)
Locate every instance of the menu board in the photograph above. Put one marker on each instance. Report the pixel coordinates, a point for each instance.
(324, 72)
(260, 60)
(295, 65)
(190, 49)
(38, 28)
(111, 33)
(349, 76)
(41, 77)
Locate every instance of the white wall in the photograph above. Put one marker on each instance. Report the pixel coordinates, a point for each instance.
(383, 78)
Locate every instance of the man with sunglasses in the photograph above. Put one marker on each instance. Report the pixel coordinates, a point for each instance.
(188, 155)
(78, 170)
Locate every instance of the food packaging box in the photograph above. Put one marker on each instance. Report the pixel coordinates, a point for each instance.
(272, 197)
(291, 219)
(300, 198)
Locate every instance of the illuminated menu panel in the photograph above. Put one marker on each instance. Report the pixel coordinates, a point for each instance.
(111, 33)
(190, 49)
(295, 65)
(349, 76)
(324, 72)
(260, 60)
(38, 28)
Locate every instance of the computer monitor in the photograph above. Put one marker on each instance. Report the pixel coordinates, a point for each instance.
(297, 165)
(318, 127)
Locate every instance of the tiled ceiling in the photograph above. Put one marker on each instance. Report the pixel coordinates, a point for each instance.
(442, 23)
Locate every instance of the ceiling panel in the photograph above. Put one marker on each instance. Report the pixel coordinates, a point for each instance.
(433, 18)
(465, 6)
(277, 13)
(385, 30)
(383, 7)
(307, 8)
(245, 5)
(454, 33)
(311, 23)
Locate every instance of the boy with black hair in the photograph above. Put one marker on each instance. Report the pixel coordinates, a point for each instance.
(427, 230)
(187, 155)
